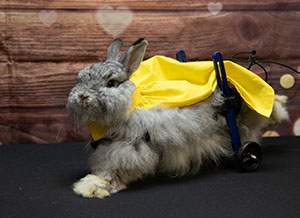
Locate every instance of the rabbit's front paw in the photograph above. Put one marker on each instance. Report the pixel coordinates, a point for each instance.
(92, 186)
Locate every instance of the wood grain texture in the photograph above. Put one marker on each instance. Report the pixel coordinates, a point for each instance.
(33, 99)
(152, 4)
(3, 47)
(38, 84)
(79, 36)
(39, 125)
(43, 44)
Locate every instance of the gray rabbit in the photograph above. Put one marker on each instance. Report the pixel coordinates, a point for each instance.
(172, 141)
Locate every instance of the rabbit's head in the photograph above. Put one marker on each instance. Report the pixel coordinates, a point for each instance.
(103, 92)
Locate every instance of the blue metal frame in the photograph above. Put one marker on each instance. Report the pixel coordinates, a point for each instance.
(180, 56)
(224, 87)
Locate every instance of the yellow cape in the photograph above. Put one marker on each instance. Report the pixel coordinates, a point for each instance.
(168, 82)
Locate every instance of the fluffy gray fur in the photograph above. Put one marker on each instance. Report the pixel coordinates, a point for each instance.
(174, 141)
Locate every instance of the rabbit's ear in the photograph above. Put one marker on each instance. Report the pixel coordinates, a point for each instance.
(133, 57)
(114, 49)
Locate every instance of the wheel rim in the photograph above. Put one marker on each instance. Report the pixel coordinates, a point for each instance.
(250, 156)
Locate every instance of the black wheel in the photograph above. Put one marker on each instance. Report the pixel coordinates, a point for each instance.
(249, 156)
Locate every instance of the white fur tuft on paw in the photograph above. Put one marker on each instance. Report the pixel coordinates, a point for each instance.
(92, 186)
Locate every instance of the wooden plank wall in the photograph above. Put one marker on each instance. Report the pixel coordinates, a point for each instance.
(44, 44)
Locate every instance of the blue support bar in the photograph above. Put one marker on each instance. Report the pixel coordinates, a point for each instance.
(224, 87)
(180, 56)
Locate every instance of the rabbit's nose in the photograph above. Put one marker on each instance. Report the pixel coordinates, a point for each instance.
(83, 98)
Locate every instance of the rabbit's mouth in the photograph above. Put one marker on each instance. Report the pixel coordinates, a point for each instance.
(83, 112)
(82, 115)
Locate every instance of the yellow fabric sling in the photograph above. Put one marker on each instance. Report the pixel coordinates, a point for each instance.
(168, 82)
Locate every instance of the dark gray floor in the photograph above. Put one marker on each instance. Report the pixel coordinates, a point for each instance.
(35, 181)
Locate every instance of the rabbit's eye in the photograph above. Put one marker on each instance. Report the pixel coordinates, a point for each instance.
(112, 83)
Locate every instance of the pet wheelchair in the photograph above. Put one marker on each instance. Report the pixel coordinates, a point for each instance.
(247, 154)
